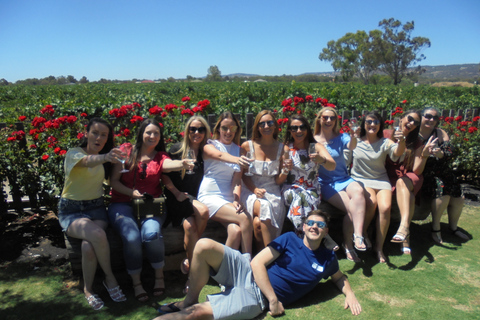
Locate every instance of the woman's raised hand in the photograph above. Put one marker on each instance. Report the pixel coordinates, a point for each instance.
(244, 162)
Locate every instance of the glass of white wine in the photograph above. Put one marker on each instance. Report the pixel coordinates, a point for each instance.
(312, 149)
(354, 124)
(396, 124)
(191, 156)
(122, 159)
(249, 171)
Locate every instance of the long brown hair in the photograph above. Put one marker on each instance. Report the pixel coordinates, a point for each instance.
(227, 115)
(255, 130)
(133, 159)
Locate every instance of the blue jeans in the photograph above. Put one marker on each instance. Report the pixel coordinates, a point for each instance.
(71, 210)
(125, 224)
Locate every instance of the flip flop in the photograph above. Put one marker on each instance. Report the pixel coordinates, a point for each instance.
(171, 308)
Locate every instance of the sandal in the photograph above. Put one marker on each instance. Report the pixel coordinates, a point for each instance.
(142, 297)
(158, 291)
(437, 236)
(351, 255)
(406, 246)
(115, 293)
(185, 266)
(171, 308)
(459, 234)
(400, 237)
(362, 242)
(95, 302)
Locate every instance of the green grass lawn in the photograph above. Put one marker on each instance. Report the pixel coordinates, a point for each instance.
(435, 282)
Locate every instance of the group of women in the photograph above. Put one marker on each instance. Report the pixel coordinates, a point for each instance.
(251, 188)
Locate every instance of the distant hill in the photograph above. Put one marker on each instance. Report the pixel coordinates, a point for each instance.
(445, 72)
(453, 71)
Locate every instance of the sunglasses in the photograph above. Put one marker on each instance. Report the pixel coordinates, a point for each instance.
(326, 118)
(429, 116)
(370, 122)
(296, 128)
(411, 119)
(270, 123)
(232, 129)
(320, 224)
(197, 129)
(143, 174)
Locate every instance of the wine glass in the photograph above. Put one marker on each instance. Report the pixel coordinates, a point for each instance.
(396, 124)
(312, 148)
(249, 156)
(353, 124)
(191, 157)
(122, 159)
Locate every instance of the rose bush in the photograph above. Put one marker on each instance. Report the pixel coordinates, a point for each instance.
(54, 117)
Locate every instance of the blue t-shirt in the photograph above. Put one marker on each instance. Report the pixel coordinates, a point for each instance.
(335, 147)
(298, 269)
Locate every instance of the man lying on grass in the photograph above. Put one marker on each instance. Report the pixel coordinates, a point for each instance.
(283, 272)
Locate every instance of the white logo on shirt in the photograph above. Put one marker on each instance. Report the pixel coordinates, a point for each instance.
(317, 267)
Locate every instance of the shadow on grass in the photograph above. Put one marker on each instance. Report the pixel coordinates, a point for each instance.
(420, 243)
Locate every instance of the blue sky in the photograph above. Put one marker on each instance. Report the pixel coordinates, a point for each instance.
(154, 39)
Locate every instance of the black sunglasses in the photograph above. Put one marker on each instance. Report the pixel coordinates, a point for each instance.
(143, 174)
(429, 116)
(296, 128)
(270, 123)
(411, 119)
(197, 129)
(332, 118)
(375, 122)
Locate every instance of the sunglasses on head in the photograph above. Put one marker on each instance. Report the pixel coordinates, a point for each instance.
(320, 224)
(296, 128)
(429, 116)
(232, 129)
(197, 129)
(411, 119)
(270, 123)
(143, 174)
(326, 118)
(370, 122)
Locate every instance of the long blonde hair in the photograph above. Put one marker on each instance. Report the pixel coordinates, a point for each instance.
(185, 148)
(318, 126)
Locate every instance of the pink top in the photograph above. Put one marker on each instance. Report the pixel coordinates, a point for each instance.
(149, 183)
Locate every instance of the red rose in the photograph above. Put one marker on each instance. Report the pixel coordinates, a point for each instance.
(404, 101)
(126, 132)
(45, 157)
(22, 118)
(80, 135)
(57, 150)
(185, 99)
(11, 138)
(63, 152)
(83, 114)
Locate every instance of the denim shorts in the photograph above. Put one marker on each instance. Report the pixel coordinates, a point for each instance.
(71, 210)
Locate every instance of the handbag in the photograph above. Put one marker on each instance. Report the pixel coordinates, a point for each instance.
(148, 206)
